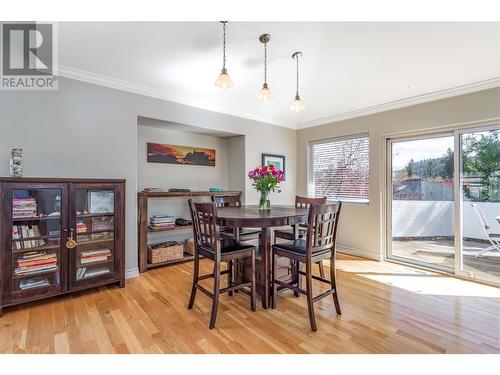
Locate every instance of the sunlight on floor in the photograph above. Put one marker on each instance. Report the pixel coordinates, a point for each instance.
(416, 280)
(436, 285)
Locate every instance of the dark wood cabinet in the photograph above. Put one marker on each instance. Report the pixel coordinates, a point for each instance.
(59, 236)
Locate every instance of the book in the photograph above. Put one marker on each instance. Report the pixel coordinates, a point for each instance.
(33, 283)
(96, 272)
(15, 236)
(80, 273)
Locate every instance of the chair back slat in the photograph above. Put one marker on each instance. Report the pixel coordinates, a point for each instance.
(206, 231)
(322, 226)
(305, 202)
(227, 200)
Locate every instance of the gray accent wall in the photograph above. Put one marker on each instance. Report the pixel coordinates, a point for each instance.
(86, 130)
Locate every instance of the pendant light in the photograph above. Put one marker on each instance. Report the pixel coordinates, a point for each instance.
(265, 93)
(224, 81)
(297, 104)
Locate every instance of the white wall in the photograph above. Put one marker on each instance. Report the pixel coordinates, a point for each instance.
(361, 227)
(86, 130)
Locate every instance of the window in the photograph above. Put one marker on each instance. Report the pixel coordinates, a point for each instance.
(340, 168)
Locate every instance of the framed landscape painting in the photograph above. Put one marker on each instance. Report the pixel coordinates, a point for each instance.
(277, 160)
(184, 155)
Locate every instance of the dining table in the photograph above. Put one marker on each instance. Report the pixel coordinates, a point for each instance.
(253, 217)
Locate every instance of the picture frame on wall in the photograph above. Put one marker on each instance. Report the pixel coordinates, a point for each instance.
(277, 160)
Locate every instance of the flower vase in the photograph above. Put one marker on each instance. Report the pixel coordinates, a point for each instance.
(264, 202)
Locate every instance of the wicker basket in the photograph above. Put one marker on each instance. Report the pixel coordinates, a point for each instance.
(165, 251)
(189, 246)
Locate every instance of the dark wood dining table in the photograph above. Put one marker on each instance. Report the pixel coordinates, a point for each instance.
(252, 217)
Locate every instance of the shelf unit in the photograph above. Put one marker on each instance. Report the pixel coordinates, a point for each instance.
(144, 229)
(35, 245)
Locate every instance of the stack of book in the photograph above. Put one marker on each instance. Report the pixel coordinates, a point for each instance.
(92, 256)
(162, 221)
(81, 227)
(26, 231)
(35, 262)
(23, 207)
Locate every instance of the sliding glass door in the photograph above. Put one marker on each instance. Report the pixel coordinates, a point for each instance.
(443, 202)
(422, 201)
(479, 189)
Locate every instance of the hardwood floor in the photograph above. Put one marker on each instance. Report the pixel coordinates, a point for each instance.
(387, 308)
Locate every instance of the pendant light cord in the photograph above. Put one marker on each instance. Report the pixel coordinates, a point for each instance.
(224, 47)
(265, 62)
(297, 93)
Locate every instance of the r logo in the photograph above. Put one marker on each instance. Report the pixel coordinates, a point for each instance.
(27, 49)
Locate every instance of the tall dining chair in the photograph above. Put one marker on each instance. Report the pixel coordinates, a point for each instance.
(207, 243)
(297, 232)
(319, 244)
(238, 234)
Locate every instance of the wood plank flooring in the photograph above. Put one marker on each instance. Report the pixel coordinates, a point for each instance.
(387, 308)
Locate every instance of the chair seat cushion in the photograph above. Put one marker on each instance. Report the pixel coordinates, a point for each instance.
(287, 234)
(231, 247)
(296, 247)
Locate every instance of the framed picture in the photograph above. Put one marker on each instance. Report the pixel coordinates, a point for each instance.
(101, 201)
(184, 155)
(277, 160)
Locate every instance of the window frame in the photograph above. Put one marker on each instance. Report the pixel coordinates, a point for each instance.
(310, 164)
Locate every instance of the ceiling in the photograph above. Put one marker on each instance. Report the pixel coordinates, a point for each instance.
(347, 69)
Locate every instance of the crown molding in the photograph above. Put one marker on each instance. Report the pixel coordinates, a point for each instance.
(406, 102)
(134, 88)
(118, 84)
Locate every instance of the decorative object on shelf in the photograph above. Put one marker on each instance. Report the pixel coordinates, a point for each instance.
(101, 201)
(183, 222)
(224, 81)
(179, 190)
(265, 93)
(216, 190)
(266, 179)
(152, 190)
(277, 160)
(297, 104)
(16, 162)
(173, 154)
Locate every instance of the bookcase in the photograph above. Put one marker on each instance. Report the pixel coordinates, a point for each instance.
(143, 222)
(59, 236)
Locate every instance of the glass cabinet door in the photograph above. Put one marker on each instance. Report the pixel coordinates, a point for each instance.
(93, 228)
(37, 259)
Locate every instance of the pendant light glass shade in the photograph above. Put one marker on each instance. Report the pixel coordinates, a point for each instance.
(224, 81)
(265, 94)
(297, 104)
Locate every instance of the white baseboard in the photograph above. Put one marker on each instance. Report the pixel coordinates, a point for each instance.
(358, 253)
(131, 273)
